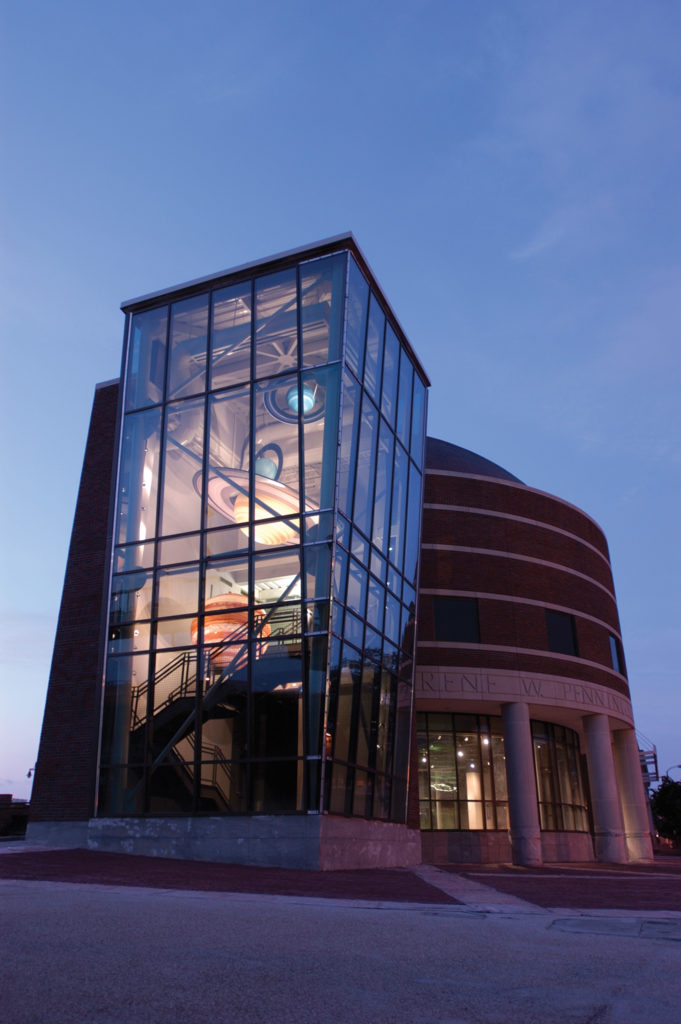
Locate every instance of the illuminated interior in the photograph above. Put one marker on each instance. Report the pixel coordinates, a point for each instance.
(266, 547)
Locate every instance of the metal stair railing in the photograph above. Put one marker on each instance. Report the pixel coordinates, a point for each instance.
(182, 731)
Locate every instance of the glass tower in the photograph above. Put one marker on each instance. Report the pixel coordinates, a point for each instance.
(265, 547)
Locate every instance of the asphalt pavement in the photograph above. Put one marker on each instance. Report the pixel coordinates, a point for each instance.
(106, 939)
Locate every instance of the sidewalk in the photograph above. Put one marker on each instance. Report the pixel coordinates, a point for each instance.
(599, 887)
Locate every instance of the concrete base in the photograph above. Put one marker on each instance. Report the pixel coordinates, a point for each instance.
(355, 843)
(62, 834)
(495, 847)
(567, 847)
(312, 842)
(466, 847)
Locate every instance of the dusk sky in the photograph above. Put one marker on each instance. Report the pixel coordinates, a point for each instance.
(510, 169)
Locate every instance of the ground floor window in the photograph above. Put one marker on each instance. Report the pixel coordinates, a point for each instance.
(562, 807)
(462, 774)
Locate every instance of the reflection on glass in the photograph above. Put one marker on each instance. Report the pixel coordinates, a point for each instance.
(188, 343)
(133, 556)
(177, 591)
(181, 504)
(417, 418)
(130, 597)
(320, 435)
(322, 284)
(146, 358)
(348, 447)
(276, 323)
(231, 336)
(373, 363)
(403, 425)
(384, 468)
(390, 364)
(228, 455)
(366, 464)
(138, 479)
(356, 318)
(240, 531)
(179, 549)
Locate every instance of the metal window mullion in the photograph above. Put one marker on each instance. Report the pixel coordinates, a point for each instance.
(113, 507)
(250, 716)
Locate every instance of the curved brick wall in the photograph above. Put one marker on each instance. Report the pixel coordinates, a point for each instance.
(519, 551)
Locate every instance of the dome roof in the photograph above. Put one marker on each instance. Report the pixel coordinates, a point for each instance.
(449, 457)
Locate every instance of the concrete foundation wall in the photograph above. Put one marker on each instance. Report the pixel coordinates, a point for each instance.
(310, 842)
(61, 834)
(566, 847)
(466, 847)
(354, 843)
(266, 841)
(495, 847)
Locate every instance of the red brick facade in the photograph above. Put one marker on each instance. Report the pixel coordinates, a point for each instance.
(519, 552)
(66, 770)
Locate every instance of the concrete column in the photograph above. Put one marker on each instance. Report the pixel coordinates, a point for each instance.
(522, 786)
(632, 797)
(609, 844)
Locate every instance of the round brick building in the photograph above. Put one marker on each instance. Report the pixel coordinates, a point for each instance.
(526, 745)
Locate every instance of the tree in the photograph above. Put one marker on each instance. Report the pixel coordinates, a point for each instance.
(666, 805)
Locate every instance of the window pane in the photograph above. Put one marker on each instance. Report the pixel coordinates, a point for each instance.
(456, 620)
(130, 597)
(276, 577)
(561, 633)
(188, 344)
(356, 316)
(348, 447)
(276, 323)
(418, 414)
(399, 505)
(411, 552)
(374, 349)
(366, 463)
(390, 367)
(276, 458)
(231, 336)
(228, 458)
(320, 435)
(138, 480)
(382, 494)
(146, 358)
(357, 584)
(181, 504)
(317, 558)
(179, 549)
(403, 425)
(177, 591)
(134, 556)
(322, 284)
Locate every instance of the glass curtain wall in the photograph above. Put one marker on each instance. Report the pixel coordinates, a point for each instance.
(368, 722)
(462, 774)
(223, 680)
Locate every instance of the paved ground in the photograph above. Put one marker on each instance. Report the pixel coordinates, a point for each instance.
(586, 886)
(91, 938)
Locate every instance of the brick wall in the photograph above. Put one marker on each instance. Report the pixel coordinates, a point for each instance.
(64, 784)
